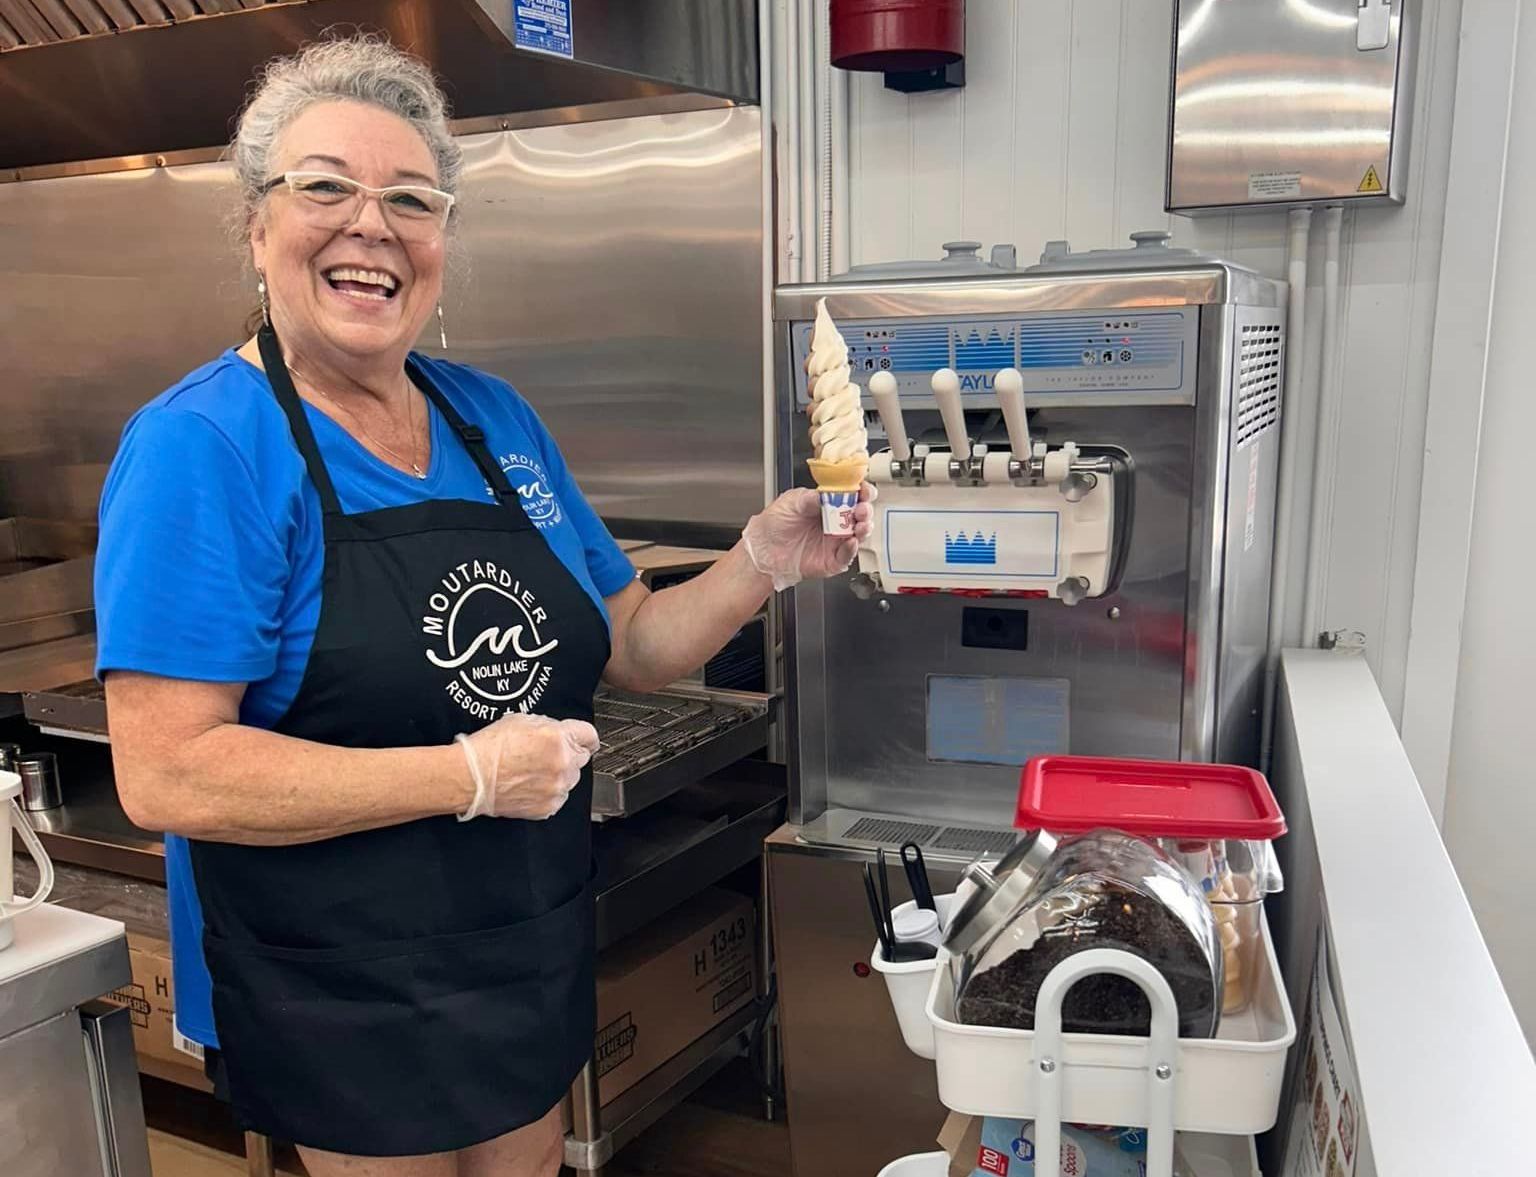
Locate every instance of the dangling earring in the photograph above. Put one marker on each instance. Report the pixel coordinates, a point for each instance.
(442, 332)
(261, 289)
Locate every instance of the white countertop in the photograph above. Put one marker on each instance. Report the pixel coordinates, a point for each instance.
(48, 934)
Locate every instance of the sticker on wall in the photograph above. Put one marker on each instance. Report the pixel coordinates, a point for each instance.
(1274, 185)
(1371, 182)
(543, 26)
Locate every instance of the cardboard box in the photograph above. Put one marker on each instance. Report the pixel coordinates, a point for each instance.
(669, 984)
(151, 1001)
(657, 993)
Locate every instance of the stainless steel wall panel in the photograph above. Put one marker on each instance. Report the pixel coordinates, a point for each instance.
(611, 271)
(613, 275)
(111, 288)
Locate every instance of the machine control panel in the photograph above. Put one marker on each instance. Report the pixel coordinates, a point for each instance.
(1135, 352)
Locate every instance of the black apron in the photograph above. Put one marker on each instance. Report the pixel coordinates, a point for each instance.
(426, 986)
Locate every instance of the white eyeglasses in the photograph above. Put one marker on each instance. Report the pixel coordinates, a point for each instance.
(414, 212)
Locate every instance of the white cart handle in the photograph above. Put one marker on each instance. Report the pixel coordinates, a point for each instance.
(9, 906)
(1162, 1055)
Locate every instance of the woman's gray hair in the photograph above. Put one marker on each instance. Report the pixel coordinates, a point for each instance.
(364, 68)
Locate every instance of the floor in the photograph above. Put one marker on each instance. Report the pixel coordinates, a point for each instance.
(720, 1132)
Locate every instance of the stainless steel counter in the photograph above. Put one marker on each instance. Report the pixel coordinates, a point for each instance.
(67, 1112)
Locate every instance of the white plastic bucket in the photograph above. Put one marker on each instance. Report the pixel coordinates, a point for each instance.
(908, 984)
(928, 1164)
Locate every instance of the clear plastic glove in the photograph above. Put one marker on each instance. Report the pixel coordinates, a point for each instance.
(785, 541)
(525, 766)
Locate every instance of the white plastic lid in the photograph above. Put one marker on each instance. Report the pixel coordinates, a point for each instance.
(962, 259)
(10, 786)
(1150, 251)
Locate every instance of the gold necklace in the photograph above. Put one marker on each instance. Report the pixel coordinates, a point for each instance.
(389, 449)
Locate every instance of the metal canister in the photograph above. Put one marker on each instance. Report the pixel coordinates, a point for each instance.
(40, 787)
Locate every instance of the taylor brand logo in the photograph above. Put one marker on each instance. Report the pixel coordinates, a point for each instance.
(533, 489)
(973, 549)
(492, 635)
(976, 382)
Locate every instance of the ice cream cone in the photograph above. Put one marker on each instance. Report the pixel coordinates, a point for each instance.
(839, 483)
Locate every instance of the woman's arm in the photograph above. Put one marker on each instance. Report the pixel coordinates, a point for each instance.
(659, 637)
(186, 765)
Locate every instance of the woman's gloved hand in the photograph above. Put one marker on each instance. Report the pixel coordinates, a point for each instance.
(525, 766)
(785, 541)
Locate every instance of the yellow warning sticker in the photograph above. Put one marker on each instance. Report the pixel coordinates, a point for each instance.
(1371, 182)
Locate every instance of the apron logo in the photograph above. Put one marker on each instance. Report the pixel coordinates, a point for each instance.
(532, 483)
(488, 631)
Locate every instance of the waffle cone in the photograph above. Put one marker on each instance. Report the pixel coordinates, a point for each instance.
(845, 474)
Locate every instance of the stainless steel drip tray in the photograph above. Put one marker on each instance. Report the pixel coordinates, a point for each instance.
(941, 841)
(655, 744)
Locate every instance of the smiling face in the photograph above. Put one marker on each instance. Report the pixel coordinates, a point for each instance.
(357, 290)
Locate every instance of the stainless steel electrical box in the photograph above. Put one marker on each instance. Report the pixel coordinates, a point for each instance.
(1289, 102)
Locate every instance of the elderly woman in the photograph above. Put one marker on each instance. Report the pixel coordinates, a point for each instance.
(352, 680)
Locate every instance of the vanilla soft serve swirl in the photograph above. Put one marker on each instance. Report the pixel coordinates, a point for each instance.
(837, 418)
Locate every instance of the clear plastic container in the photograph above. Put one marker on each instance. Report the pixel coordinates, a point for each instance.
(1234, 875)
(1103, 889)
(1216, 821)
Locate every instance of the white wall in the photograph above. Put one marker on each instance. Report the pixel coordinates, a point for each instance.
(1061, 132)
(1490, 809)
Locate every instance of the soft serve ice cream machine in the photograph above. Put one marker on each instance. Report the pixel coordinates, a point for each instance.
(1075, 466)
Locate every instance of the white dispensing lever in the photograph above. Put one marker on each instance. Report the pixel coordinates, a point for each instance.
(1009, 384)
(882, 386)
(946, 391)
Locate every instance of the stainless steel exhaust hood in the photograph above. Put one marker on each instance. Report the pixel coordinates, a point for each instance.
(93, 79)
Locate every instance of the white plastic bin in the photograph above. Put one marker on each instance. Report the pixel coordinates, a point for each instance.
(909, 985)
(1228, 1084)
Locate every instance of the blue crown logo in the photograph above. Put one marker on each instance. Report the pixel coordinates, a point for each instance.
(963, 549)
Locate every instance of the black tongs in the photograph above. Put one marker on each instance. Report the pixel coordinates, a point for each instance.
(893, 950)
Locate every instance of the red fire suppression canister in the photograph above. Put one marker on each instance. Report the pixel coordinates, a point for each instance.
(916, 44)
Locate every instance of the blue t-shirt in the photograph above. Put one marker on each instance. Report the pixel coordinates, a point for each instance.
(210, 556)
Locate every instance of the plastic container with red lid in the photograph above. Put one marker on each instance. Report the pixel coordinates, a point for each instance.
(1215, 820)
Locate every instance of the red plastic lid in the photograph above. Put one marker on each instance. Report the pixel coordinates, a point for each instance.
(1152, 798)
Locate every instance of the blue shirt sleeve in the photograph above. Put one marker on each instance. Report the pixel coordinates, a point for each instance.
(190, 571)
(607, 564)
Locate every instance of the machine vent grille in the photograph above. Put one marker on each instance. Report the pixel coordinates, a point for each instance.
(958, 839)
(976, 841)
(1258, 381)
(877, 829)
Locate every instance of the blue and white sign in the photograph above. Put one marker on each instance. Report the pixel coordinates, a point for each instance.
(974, 543)
(543, 26)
